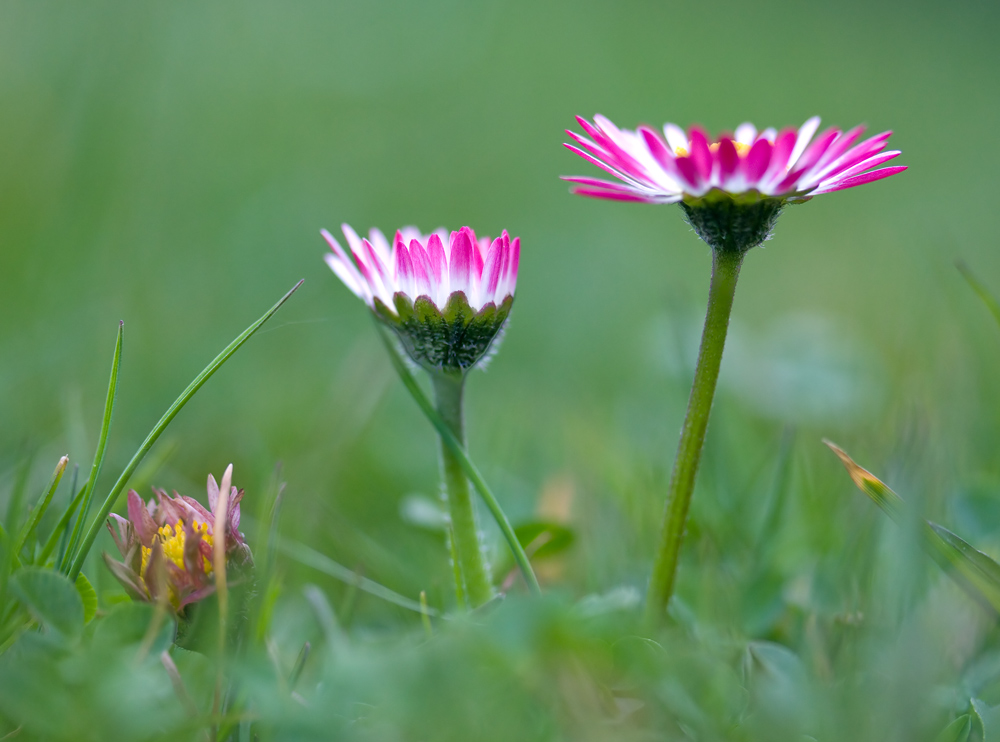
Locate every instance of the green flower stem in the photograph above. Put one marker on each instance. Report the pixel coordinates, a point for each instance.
(459, 450)
(725, 271)
(448, 388)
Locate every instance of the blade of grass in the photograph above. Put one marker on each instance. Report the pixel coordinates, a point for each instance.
(164, 421)
(59, 533)
(322, 563)
(424, 402)
(9, 560)
(102, 445)
(971, 569)
(42, 506)
(980, 288)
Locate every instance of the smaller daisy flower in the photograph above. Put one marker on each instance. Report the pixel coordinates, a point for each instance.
(166, 544)
(446, 297)
(733, 189)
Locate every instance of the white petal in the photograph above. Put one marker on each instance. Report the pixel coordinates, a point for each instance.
(676, 137)
(746, 133)
(806, 132)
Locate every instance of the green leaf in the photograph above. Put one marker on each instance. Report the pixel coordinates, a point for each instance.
(164, 421)
(52, 599)
(958, 731)
(542, 539)
(88, 595)
(129, 623)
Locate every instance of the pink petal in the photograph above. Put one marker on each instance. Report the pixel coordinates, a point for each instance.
(614, 196)
(729, 159)
(373, 261)
(689, 172)
(701, 155)
(212, 488)
(857, 180)
(515, 260)
(756, 162)
(142, 521)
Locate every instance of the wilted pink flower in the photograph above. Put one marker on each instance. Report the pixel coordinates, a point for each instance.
(445, 296)
(166, 544)
(789, 164)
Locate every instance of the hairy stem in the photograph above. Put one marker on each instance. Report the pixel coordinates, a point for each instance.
(725, 271)
(478, 588)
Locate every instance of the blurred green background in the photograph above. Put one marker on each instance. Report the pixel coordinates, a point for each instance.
(171, 164)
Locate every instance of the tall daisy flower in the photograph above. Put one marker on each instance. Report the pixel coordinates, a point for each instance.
(732, 191)
(446, 297)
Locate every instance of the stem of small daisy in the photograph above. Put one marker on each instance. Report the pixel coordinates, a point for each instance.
(725, 271)
(478, 589)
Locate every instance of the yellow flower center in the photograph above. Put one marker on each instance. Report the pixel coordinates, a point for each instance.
(171, 539)
(741, 149)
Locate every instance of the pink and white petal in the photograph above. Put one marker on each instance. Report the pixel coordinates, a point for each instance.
(353, 241)
(873, 161)
(658, 150)
(769, 134)
(850, 158)
(491, 271)
(745, 133)
(403, 269)
(869, 177)
(840, 145)
(381, 246)
(802, 138)
(603, 165)
(460, 263)
(421, 270)
(784, 144)
(349, 278)
(438, 259)
(617, 196)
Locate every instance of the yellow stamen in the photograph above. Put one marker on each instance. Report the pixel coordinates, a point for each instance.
(171, 539)
(741, 149)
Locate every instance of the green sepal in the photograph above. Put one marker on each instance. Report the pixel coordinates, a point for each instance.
(733, 223)
(452, 339)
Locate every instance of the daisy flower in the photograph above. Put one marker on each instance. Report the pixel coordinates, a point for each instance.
(446, 296)
(731, 189)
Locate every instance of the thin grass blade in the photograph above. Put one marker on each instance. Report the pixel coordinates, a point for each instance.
(989, 299)
(971, 569)
(42, 506)
(102, 445)
(164, 421)
(322, 563)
